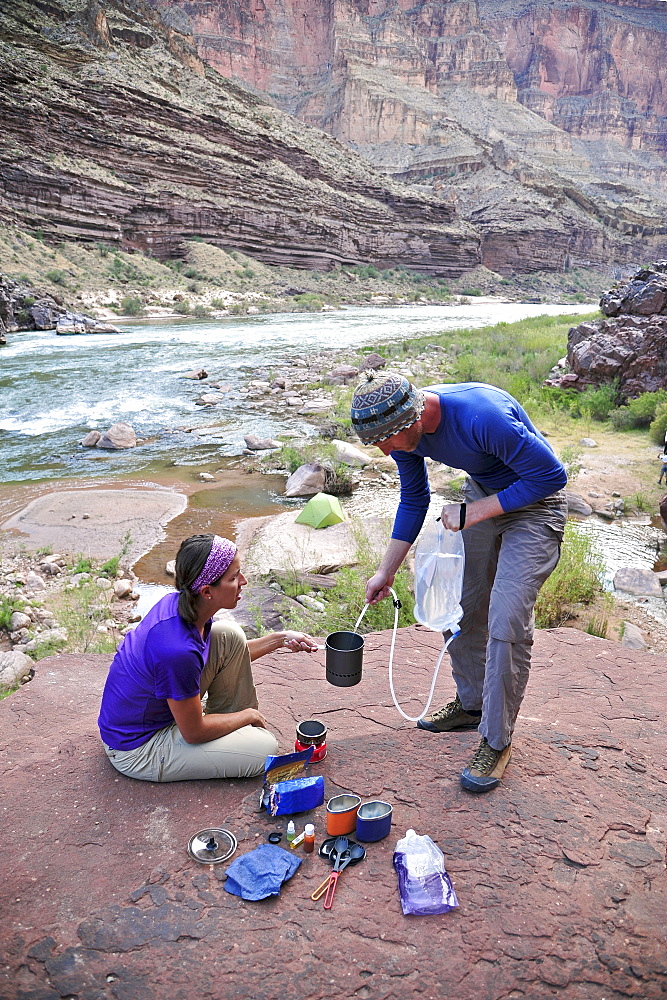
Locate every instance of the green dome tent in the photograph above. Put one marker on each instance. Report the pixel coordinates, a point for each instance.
(321, 511)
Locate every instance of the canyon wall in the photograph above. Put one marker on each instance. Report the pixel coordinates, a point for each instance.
(543, 124)
(597, 70)
(115, 130)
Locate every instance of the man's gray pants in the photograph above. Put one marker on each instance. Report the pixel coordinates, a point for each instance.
(507, 559)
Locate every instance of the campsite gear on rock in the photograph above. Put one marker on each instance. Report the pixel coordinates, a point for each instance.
(211, 846)
(439, 566)
(312, 733)
(327, 850)
(321, 511)
(344, 657)
(352, 855)
(423, 884)
(261, 872)
(373, 820)
(336, 855)
(275, 837)
(342, 814)
(309, 839)
(298, 840)
(285, 789)
(291, 832)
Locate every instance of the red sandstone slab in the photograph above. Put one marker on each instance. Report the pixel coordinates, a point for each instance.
(560, 872)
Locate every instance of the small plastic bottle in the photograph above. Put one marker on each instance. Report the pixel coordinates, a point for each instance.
(309, 838)
(291, 832)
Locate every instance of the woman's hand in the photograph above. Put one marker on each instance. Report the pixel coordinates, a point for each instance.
(254, 718)
(298, 642)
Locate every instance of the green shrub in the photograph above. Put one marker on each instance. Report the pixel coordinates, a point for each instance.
(571, 458)
(576, 580)
(471, 291)
(597, 404)
(658, 427)
(201, 312)
(110, 567)
(131, 306)
(183, 308)
(638, 412)
(7, 609)
(82, 565)
(57, 277)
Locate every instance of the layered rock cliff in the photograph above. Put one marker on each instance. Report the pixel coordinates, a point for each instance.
(114, 129)
(543, 123)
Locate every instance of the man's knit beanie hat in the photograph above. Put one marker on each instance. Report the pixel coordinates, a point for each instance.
(384, 404)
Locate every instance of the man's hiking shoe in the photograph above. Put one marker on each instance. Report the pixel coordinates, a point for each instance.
(452, 716)
(486, 768)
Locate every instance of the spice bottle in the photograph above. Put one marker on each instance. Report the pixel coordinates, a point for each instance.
(290, 831)
(309, 838)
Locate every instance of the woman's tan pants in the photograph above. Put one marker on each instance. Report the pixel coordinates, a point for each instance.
(227, 682)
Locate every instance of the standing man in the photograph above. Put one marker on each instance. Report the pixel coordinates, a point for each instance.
(512, 521)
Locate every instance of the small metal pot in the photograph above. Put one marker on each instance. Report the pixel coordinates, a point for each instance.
(344, 658)
(312, 733)
(342, 814)
(373, 820)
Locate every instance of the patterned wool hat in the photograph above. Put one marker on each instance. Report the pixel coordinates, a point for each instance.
(384, 404)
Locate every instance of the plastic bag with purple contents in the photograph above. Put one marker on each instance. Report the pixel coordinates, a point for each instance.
(423, 883)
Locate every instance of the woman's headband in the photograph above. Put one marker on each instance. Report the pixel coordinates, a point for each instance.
(218, 562)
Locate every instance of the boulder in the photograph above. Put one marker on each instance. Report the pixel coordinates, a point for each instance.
(349, 455)
(34, 582)
(260, 444)
(118, 437)
(19, 620)
(373, 361)
(261, 606)
(311, 603)
(277, 546)
(91, 439)
(69, 324)
(308, 480)
(56, 636)
(342, 374)
(45, 313)
(641, 582)
(206, 477)
(170, 568)
(577, 505)
(14, 666)
(122, 588)
(632, 637)
(588, 443)
(208, 399)
(197, 375)
(645, 294)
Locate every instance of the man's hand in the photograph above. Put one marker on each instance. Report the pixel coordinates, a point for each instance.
(451, 516)
(377, 587)
(478, 510)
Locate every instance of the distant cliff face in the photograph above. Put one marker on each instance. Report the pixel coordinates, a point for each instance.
(597, 70)
(114, 129)
(542, 123)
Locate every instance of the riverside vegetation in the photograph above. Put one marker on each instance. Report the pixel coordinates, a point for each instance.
(518, 356)
(205, 280)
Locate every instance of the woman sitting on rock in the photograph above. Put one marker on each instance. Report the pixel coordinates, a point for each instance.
(152, 721)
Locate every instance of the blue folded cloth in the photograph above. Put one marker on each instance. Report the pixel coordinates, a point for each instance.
(260, 873)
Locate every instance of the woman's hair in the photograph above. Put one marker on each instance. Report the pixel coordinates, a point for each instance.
(190, 561)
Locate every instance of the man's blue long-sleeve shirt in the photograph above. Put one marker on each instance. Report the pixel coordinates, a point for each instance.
(484, 431)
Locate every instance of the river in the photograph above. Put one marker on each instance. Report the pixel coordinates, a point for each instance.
(53, 390)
